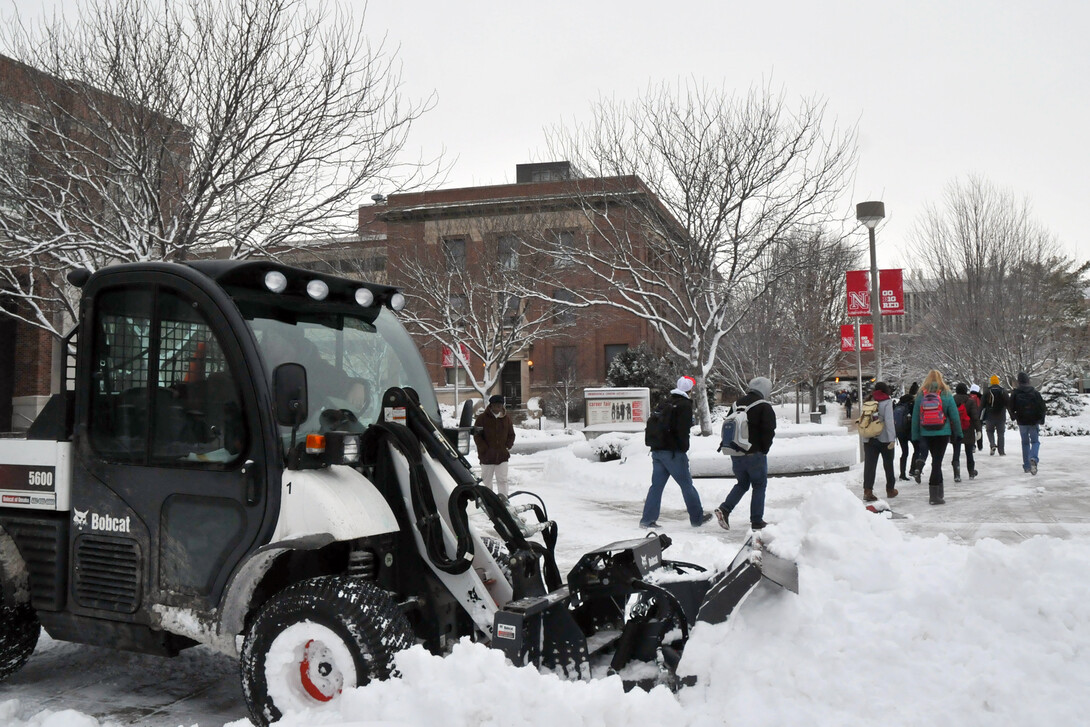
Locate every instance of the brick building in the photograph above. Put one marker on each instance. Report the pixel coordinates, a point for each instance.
(481, 227)
(48, 127)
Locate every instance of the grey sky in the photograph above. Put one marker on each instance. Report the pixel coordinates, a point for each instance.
(939, 90)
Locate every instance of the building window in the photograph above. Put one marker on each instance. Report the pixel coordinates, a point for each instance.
(565, 249)
(454, 253)
(459, 373)
(612, 351)
(565, 364)
(456, 305)
(507, 252)
(564, 313)
(510, 305)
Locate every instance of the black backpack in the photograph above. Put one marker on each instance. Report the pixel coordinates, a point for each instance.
(902, 418)
(660, 427)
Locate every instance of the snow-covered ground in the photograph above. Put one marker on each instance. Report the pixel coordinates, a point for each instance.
(972, 613)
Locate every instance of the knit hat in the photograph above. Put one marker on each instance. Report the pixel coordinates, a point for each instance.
(1023, 378)
(762, 386)
(914, 389)
(495, 399)
(994, 380)
(685, 384)
(974, 389)
(962, 389)
(883, 387)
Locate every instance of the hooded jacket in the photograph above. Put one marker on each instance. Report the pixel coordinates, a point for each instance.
(953, 419)
(1027, 406)
(494, 438)
(885, 413)
(762, 421)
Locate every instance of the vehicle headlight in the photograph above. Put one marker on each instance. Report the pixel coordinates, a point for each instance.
(351, 451)
(276, 281)
(365, 297)
(317, 289)
(463, 441)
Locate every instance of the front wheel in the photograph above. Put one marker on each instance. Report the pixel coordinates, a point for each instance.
(315, 639)
(19, 631)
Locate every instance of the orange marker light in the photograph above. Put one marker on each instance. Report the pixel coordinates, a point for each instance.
(315, 444)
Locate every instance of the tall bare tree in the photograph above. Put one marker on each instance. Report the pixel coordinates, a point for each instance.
(163, 130)
(792, 332)
(481, 306)
(1000, 296)
(726, 178)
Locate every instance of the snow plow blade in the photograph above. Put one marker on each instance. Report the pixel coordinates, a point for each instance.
(752, 565)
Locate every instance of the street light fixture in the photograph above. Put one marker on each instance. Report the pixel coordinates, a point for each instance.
(870, 214)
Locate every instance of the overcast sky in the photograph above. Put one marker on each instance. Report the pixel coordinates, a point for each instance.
(939, 90)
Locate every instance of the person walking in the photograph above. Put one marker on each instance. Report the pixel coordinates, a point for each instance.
(751, 470)
(902, 420)
(848, 404)
(1027, 407)
(880, 444)
(978, 422)
(996, 401)
(934, 420)
(494, 436)
(969, 417)
(671, 459)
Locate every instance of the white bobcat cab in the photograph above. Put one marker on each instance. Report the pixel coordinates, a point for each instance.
(250, 456)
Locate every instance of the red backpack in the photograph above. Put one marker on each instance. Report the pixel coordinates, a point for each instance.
(932, 415)
(966, 422)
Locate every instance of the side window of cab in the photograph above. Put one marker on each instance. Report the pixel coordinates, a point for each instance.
(163, 392)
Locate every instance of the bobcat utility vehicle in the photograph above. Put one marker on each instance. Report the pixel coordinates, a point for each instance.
(250, 456)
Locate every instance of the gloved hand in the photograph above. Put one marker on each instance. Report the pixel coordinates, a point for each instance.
(892, 444)
(980, 444)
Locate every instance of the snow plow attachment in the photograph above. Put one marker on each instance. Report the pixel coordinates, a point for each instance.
(627, 611)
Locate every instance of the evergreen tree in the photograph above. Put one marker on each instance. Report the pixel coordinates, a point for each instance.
(1061, 398)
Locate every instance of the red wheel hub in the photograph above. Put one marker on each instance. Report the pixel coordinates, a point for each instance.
(318, 672)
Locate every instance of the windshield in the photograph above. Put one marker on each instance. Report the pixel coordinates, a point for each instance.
(350, 361)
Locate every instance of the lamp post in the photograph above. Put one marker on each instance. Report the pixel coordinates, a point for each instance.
(870, 214)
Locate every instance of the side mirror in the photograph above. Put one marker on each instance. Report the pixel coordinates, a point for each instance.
(290, 394)
(466, 418)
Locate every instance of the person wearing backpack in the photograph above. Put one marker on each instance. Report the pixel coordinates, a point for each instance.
(978, 421)
(879, 433)
(995, 415)
(969, 416)
(902, 422)
(751, 470)
(669, 455)
(1027, 407)
(935, 419)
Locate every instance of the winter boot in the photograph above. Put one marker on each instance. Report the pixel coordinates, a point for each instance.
(957, 473)
(891, 491)
(917, 470)
(868, 496)
(723, 516)
(935, 492)
(972, 474)
(993, 450)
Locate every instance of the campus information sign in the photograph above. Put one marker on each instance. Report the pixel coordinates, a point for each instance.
(617, 408)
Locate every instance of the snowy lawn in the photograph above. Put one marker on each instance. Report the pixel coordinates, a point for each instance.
(889, 627)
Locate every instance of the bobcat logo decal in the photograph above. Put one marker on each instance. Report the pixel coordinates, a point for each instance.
(79, 518)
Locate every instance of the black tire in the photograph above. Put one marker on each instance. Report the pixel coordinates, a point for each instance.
(499, 553)
(359, 620)
(19, 630)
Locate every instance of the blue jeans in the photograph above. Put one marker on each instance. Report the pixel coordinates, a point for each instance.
(1031, 445)
(751, 471)
(667, 464)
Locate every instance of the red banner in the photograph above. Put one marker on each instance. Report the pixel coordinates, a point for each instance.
(448, 356)
(866, 335)
(858, 293)
(892, 291)
(847, 338)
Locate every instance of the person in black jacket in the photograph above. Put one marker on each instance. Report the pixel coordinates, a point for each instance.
(1027, 407)
(751, 470)
(969, 432)
(904, 431)
(673, 461)
(995, 414)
